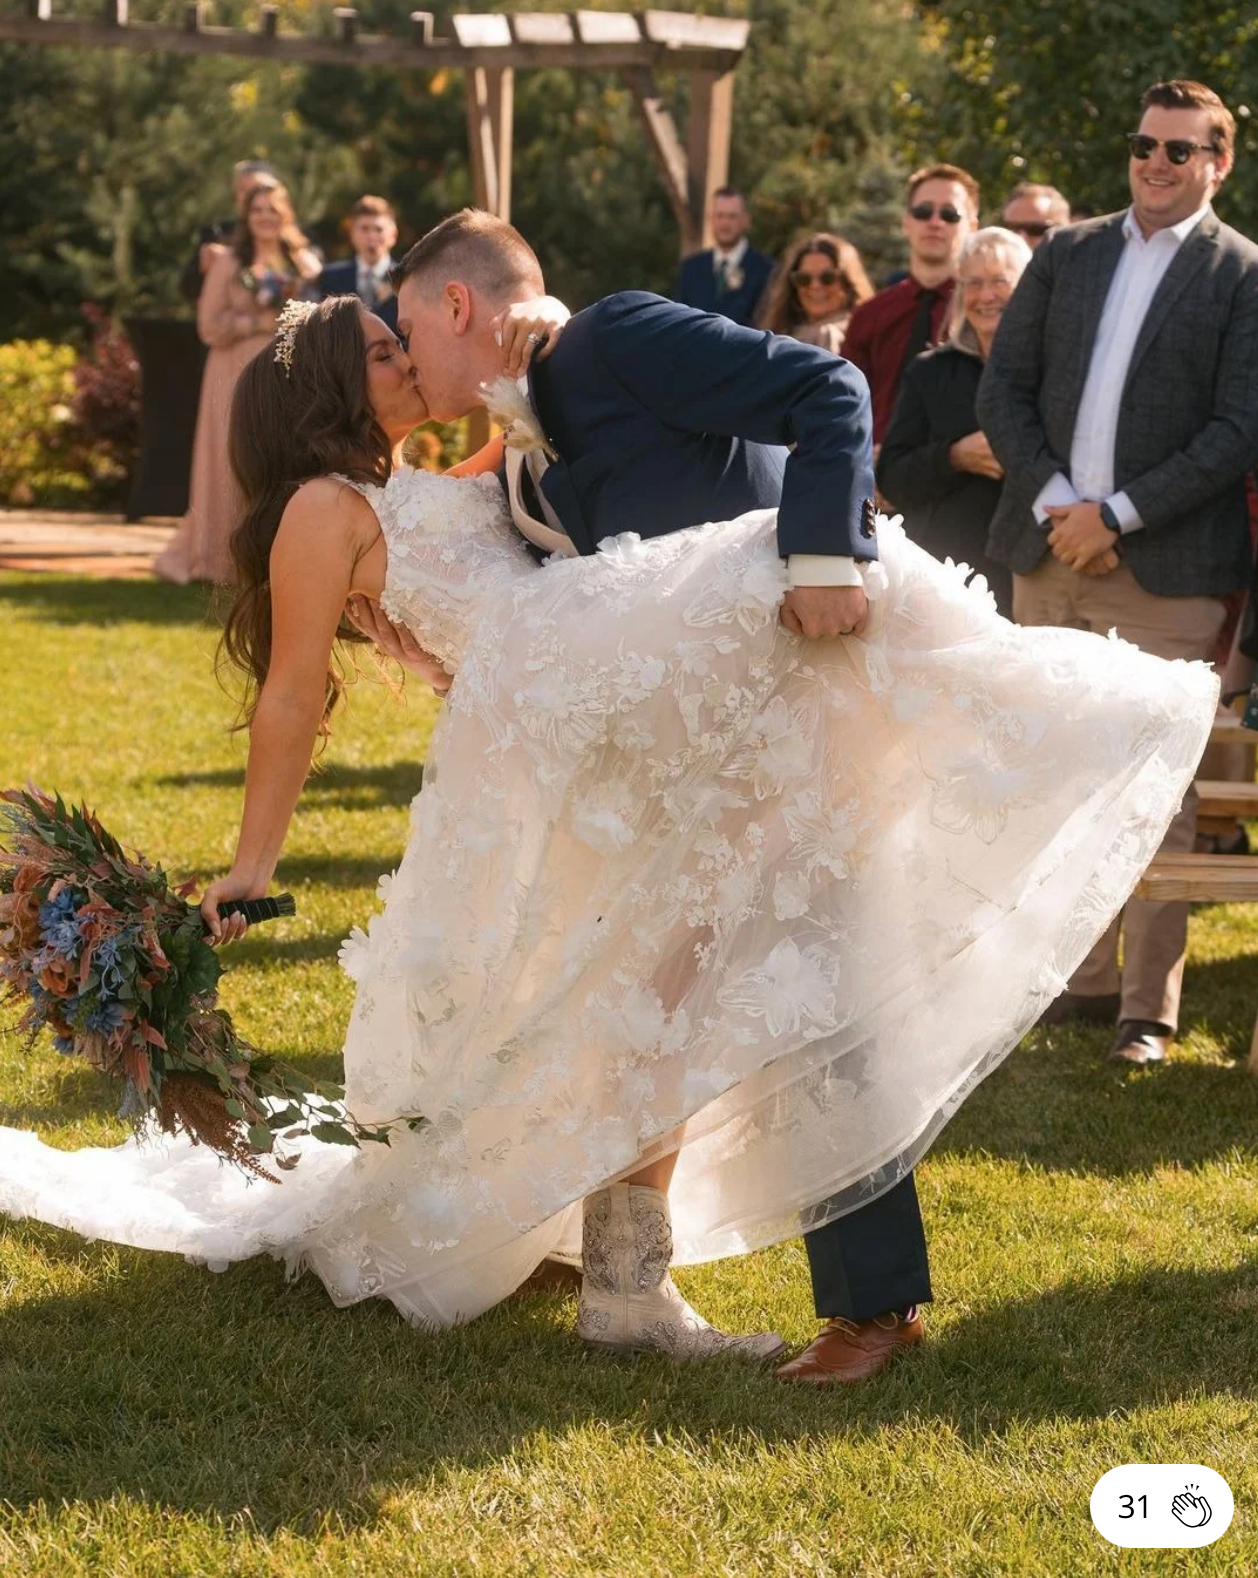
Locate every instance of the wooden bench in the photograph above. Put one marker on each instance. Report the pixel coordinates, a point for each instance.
(1234, 801)
(1207, 879)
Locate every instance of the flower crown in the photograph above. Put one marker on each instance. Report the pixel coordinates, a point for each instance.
(290, 320)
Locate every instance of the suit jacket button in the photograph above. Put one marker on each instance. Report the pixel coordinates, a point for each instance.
(868, 519)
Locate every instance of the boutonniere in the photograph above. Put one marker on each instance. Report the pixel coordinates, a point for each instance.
(383, 291)
(509, 407)
(735, 279)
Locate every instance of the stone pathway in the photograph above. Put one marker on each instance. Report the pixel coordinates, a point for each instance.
(77, 543)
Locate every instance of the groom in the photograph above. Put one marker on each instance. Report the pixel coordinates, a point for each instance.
(660, 418)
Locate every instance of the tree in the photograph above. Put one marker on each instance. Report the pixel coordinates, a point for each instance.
(1045, 89)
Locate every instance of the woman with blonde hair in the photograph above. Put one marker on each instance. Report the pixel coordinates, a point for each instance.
(246, 286)
(935, 466)
(820, 279)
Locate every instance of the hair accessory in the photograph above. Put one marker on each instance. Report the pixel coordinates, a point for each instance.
(290, 320)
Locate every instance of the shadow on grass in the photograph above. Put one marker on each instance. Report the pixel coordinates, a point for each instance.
(258, 948)
(335, 871)
(339, 787)
(1059, 1104)
(216, 1395)
(80, 1092)
(66, 600)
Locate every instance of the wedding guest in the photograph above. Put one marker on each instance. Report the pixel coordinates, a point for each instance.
(214, 239)
(730, 277)
(818, 282)
(1032, 210)
(1125, 503)
(936, 466)
(897, 324)
(372, 227)
(269, 262)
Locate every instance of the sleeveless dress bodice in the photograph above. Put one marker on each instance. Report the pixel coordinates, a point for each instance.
(451, 546)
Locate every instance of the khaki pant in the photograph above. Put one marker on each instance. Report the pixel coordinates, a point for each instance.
(1154, 935)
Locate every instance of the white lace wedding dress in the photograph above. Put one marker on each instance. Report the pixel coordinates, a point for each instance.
(678, 878)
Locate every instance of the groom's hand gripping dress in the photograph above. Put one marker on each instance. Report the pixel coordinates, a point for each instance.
(396, 642)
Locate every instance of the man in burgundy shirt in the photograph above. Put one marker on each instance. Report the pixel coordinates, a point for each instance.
(891, 328)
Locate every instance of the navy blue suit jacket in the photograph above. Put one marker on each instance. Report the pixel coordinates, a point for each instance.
(341, 279)
(663, 418)
(696, 285)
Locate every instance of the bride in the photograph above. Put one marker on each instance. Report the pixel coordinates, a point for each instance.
(702, 931)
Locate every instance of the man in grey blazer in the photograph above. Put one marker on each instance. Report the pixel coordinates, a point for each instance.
(1121, 397)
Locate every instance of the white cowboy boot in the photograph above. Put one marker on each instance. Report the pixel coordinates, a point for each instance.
(628, 1301)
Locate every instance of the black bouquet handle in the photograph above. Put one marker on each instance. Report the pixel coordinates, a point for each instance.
(255, 910)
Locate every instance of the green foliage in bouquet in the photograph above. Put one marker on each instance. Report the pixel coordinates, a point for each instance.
(99, 949)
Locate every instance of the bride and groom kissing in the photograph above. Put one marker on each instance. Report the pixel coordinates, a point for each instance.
(751, 837)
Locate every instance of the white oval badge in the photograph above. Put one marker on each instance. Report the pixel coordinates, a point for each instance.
(1162, 1505)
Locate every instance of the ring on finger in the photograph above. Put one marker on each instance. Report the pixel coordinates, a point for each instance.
(532, 337)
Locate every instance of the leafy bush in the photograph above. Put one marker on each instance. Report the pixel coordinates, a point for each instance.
(41, 459)
(106, 404)
(69, 424)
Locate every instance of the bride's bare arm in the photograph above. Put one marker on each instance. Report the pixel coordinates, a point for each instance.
(312, 565)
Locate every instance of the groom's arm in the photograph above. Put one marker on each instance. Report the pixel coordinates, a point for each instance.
(705, 374)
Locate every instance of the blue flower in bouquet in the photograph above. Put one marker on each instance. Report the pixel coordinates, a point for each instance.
(58, 922)
(65, 1045)
(105, 1017)
(111, 959)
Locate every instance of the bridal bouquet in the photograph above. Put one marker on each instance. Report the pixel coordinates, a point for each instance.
(100, 950)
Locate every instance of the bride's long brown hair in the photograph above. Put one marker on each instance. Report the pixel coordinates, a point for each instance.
(292, 421)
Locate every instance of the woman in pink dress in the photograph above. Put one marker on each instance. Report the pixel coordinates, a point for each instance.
(244, 290)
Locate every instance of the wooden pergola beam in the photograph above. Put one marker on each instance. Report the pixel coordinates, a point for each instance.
(654, 47)
(488, 48)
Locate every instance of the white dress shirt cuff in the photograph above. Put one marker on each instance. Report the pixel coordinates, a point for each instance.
(1057, 490)
(822, 569)
(1125, 511)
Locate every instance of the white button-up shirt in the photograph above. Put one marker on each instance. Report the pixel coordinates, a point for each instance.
(732, 258)
(377, 274)
(1141, 269)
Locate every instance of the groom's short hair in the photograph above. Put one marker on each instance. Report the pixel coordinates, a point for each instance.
(475, 247)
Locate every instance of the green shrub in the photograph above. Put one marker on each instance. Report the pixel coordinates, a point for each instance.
(41, 459)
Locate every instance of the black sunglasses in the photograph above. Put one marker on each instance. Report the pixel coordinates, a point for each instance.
(801, 279)
(1178, 149)
(949, 214)
(1037, 229)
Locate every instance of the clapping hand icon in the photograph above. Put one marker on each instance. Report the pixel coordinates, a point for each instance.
(1192, 1510)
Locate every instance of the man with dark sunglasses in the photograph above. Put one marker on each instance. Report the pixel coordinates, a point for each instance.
(889, 330)
(1033, 210)
(1120, 397)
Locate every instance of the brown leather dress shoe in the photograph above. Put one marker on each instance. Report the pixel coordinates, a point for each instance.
(1075, 1006)
(846, 1351)
(1141, 1041)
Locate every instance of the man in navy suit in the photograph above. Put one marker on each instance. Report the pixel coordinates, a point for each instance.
(731, 277)
(372, 227)
(660, 418)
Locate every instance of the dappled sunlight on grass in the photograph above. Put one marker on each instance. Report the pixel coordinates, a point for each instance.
(1094, 1242)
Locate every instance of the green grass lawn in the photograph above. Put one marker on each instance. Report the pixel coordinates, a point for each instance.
(1094, 1239)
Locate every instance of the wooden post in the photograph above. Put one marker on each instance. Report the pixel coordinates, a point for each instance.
(346, 19)
(269, 21)
(666, 145)
(39, 10)
(114, 13)
(490, 107)
(421, 28)
(707, 142)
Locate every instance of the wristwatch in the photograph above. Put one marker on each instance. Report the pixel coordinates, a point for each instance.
(1108, 518)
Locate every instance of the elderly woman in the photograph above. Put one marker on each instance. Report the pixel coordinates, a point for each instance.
(816, 286)
(935, 466)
